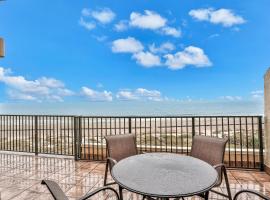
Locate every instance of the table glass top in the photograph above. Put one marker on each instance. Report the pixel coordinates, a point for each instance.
(164, 175)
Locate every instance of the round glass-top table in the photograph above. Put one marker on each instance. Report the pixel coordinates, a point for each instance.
(164, 175)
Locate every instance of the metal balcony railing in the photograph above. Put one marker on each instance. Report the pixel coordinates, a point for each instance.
(83, 136)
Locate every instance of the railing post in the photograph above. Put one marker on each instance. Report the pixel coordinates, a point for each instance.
(79, 143)
(193, 126)
(75, 137)
(129, 125)
(261, 143)
(36, 134)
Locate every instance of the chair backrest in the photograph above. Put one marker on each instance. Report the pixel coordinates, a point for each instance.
(121, 146)
(209, 149)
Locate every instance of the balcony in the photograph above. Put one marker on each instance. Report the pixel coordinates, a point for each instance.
(71, 150)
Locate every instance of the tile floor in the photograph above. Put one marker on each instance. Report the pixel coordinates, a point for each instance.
(21, 176)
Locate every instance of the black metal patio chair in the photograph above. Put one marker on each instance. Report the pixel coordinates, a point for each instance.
(212, 150)
(58, 194)
(252, 192)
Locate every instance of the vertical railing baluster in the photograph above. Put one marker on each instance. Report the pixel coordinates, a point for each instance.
(193, 126)
(36, 134)
(75, 137)
(129, 125)
(260, 132)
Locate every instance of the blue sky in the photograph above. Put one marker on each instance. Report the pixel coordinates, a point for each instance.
(133, 50)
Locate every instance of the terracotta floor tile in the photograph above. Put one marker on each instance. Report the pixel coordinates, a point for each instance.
(78, 191)
(243, 175)
(261, 176)
(9, 193)
(27, 195)
(20, 177)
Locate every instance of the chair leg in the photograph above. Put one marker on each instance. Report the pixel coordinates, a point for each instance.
(120, 192)
(227, 184)
(206, 195)
(106, 173)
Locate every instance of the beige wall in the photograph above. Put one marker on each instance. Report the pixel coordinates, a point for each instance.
(1, 48)
(267, 116)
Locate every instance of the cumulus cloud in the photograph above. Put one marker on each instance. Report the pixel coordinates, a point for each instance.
(148, 20)
(163, 48)
(139, 94)
(126, 95)
(88, 25)
(171, 31)
(20, 96)
(128, 45)
(104, 15)
(257, 94)
(153, 21)
(214, 35)
(189, 56)
(231, 98)
(94, 95)
(121, 25)
(40, 89)
(225, 17)
(89, 17)
(147, 59)
(135, 47)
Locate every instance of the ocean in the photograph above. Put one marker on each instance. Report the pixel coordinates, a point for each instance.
(136, 108)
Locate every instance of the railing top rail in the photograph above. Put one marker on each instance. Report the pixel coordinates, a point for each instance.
(133, 116)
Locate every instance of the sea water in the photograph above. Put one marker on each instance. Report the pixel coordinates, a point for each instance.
(138, 108)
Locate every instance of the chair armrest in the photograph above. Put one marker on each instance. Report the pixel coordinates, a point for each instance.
(251, 192)
(88, 195)
(111, 161)
(55, 190)
(221, 165)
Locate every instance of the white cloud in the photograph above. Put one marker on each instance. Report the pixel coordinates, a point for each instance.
(257, 94)
(153, 21)
(231, 98)
(51, 82)
(40, 89)
(214, 35)
(139, 94)
(135, 47)
(226, 17)
(86, 12)
(126, 95)
(20, 96)
(94, 95)
(163, 48)
(64, 92)
(189, 56)
(148, 93)
(104, 15)
(88, 25)
(128, 45)
(147, 59)
(121, 25)
(171, 31)
(200, 14)
(148, 20)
